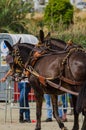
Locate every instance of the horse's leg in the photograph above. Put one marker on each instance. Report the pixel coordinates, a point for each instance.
(76, 115)
(84, 124)
(39, 101)
(54, 100)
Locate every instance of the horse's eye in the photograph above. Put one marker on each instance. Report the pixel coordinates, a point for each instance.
(13, 54)
(11, 64)
(10, 53)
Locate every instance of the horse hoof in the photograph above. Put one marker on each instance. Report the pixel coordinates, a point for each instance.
(37, 128)
(64, 128)
(75, 128)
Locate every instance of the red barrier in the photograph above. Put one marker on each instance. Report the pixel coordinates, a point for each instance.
(31, 96)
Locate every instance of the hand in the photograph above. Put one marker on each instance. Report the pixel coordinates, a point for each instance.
(3, 79)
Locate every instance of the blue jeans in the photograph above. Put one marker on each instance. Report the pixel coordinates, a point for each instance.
(49, 106)
(65, 102)
(60, 111)
(24, 89)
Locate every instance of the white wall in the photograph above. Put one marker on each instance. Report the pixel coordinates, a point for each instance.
(75, 1)
(36, 4)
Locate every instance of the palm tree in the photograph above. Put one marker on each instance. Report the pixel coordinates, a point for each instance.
(13, 16)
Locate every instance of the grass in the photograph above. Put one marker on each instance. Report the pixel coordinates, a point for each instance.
(76, 32)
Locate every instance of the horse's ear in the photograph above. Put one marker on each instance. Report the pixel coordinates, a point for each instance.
(48, 35)
(8, 45)
(19, 41)
(41, 36)
(70, 42)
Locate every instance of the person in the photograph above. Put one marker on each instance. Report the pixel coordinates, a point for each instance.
(24, 88)
(49, 108)
(71, 104)
(9, 73)
(65, 105)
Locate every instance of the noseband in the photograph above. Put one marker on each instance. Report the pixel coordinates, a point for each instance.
(18, 60)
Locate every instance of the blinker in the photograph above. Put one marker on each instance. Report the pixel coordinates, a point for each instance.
(9, 59)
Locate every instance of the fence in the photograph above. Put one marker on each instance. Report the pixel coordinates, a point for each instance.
(12, 99)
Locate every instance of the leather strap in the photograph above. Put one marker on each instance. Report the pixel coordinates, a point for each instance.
(70, 81)
(61, 88)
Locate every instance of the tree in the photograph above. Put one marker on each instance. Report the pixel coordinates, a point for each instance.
(58, 11)
(13, 15)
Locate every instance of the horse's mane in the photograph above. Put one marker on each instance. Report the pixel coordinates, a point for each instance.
(27, 45)
(57, 44)
(59, 41)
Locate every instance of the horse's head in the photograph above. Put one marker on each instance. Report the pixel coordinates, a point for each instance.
(44, 39)
(13, 57)
(18, 55)
(53, 43)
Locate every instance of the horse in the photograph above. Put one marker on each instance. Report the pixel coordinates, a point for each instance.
(53, 43)
(81, 104)
(50, 72)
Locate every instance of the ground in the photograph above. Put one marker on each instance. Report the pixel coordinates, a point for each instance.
(9, 119)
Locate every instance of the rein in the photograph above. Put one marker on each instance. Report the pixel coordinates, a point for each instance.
(70, 81)
(44, 80)
(61, 88)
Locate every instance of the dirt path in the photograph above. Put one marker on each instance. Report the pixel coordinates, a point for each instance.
(15, 125)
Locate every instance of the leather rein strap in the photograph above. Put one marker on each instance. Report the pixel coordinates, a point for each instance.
(69, 81)
(44, 80)
(61, 88)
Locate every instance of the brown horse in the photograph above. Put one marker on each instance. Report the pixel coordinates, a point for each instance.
(81, 104)
(66, 68)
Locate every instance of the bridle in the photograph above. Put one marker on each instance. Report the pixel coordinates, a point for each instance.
(18, 61)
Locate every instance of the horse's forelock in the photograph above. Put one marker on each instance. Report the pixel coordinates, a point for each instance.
(24, 50)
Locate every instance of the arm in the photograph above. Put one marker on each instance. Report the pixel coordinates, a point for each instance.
(6, 75)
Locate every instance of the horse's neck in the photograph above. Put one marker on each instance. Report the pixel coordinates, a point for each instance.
(58, 44)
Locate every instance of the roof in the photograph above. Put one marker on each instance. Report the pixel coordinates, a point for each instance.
(25, 38)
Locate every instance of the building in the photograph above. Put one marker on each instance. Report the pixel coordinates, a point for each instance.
(39, 5)
(74, 2)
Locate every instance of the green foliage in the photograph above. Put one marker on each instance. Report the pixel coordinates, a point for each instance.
(13, 16)
(58, 11)
(76, 33)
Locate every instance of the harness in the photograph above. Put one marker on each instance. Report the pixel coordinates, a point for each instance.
(45, 80)
(65, 61)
